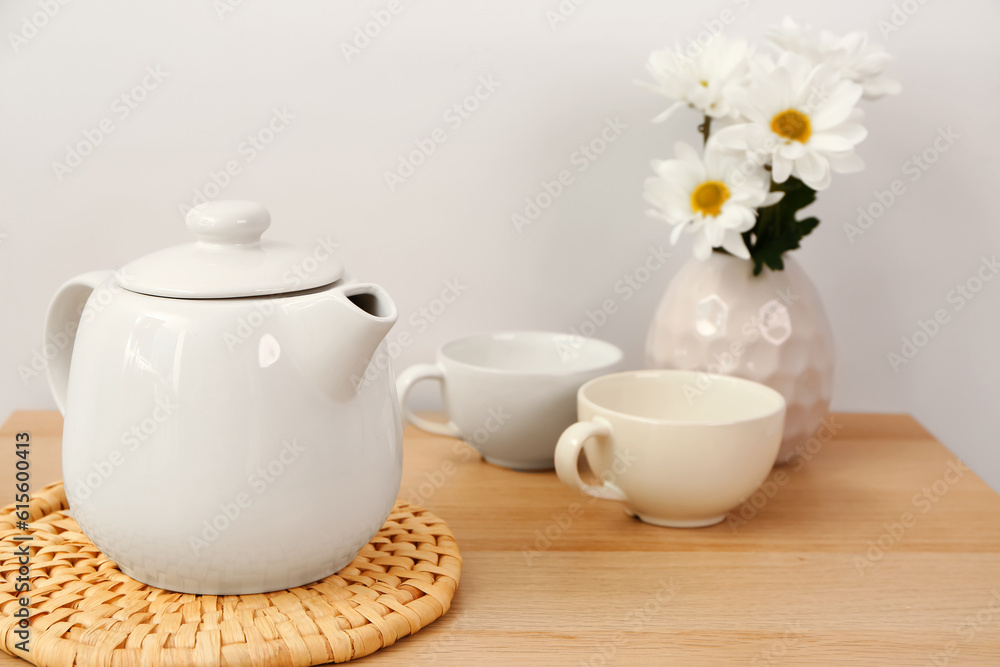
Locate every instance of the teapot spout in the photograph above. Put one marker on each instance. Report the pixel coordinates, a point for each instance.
(338, 333)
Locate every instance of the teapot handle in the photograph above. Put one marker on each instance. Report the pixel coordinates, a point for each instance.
(67, 311)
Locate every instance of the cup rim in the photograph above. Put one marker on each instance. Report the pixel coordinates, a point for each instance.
(731, 379)
(616, 353)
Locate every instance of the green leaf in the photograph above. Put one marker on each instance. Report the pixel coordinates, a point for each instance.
(778, 230)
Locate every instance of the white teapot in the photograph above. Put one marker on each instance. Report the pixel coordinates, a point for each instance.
(221, 433)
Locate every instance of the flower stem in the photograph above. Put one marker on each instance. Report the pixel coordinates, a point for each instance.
(706, 127)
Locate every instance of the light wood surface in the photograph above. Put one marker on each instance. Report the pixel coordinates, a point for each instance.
(880, 549)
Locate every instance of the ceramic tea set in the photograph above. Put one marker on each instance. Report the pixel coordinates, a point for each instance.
(217, 440)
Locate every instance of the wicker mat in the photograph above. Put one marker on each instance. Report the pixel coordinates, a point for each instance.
(86, 613)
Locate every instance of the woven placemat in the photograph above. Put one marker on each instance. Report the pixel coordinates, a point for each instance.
(86, 613)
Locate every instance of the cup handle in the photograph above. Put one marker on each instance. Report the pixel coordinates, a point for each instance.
(568, 453)
(405, 381)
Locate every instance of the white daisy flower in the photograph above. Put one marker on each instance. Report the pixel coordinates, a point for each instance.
(715, 198)
(851, 55)
(705, 81)
(803, 119)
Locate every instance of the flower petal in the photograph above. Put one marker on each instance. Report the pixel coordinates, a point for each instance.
(828, 141)
(853, 132)
(734, 137)
(681, 174)
(798, 70)
(733, 243)
(668, 112)
(685, 152)
(846, 163)
(814, 170)
(781, 169)
(752, 104)
(837, 106)
(701, 247)
(675, 234)
(791, 150)
(879, 86)
(812, 167)
(772, 198)
(729, 218)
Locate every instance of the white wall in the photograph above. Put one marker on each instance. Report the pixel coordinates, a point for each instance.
(324, 172)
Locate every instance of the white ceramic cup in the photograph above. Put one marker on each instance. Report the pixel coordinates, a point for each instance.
(678, 453)
(510, 395)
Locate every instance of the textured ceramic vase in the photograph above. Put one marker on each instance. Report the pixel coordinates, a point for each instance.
(717, 317)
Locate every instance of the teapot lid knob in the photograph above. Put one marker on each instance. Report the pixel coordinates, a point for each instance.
(231, 222)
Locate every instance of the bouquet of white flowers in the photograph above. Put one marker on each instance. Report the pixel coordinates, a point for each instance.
(775, 128)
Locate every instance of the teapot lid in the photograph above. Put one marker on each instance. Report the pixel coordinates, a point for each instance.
(229, 259)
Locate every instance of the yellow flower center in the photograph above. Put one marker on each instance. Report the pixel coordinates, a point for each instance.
(792, 124)
(709, 197)
(704, 83)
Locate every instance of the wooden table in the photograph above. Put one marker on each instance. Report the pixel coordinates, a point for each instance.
(881, 548)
